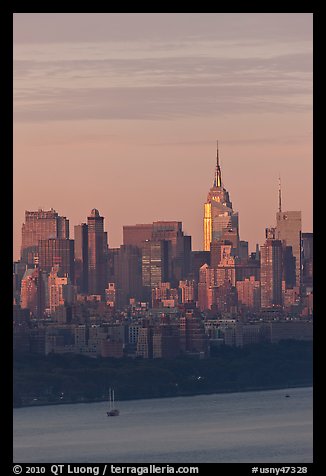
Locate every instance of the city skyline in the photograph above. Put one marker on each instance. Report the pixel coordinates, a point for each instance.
(127, 122)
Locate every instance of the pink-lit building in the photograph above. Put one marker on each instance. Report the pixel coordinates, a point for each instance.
(41, 225)
(249, 293)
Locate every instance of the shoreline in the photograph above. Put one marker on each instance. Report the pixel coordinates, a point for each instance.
(186, 394)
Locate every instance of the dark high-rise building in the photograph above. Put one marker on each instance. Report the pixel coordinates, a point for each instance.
(128, 274)
(288, 260)
(136, 235)
(288, 229)
(243, 250)
(289, 266)
(112, 265)
(97, 253)
(41, 225)
(307, 261)
(180, 247)
(57, 252)
(307, 246)
(81, 257)
(198, 259)
(220, 221)
(271, 272)
(244, 269)
(155, 265)
(187, 255)
(180, 244)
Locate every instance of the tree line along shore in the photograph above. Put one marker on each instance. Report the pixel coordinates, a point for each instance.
(72, 378)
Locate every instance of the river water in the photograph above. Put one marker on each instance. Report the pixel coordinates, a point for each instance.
(248, 427)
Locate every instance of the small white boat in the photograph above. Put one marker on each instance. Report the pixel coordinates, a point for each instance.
(112, 410)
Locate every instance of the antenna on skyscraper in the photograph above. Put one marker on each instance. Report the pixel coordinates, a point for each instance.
(218, 177)
(279, 194)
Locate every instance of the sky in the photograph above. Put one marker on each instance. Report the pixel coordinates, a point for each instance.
(121, 112)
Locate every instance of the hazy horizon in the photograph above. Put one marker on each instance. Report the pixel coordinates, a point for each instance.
(121, 112)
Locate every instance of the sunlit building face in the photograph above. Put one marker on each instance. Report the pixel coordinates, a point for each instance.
(218, 213)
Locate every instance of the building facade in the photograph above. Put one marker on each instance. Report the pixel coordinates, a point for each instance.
(136, 235)
(41, 225)
(155, 265)
(97, 253)
(57, 252)
(288, 229)
(271, 273)
(81, 257)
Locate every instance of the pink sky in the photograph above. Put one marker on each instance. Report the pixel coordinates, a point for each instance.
(121, 112)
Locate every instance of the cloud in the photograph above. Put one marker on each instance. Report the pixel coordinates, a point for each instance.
(100, 27)
(162, 102)
(273, 140)
(151, 88)
(168, 67)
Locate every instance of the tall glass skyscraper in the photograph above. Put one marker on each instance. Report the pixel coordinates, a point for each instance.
(288, 229)
(271, 273)
(97, 253)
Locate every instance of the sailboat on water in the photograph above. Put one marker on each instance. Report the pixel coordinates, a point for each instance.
(112, 410)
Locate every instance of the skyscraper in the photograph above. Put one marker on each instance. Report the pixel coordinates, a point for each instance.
(136, 235)
(180, 247)
(288, 230)
(41, 225)
(197, 260)
(219, 217)
(81, 256)
(271, 273)
(57, 252)
(307, 261)
(155, 264)
(180, 256)
(97, 253)
(128, 276)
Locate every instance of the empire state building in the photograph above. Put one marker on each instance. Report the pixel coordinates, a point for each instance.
(220, 221)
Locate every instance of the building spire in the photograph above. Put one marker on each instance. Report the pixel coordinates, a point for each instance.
(279, 194)
(218, 175)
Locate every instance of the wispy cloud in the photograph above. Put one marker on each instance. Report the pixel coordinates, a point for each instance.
(158, 102)
(99, 27)
(165, 87)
